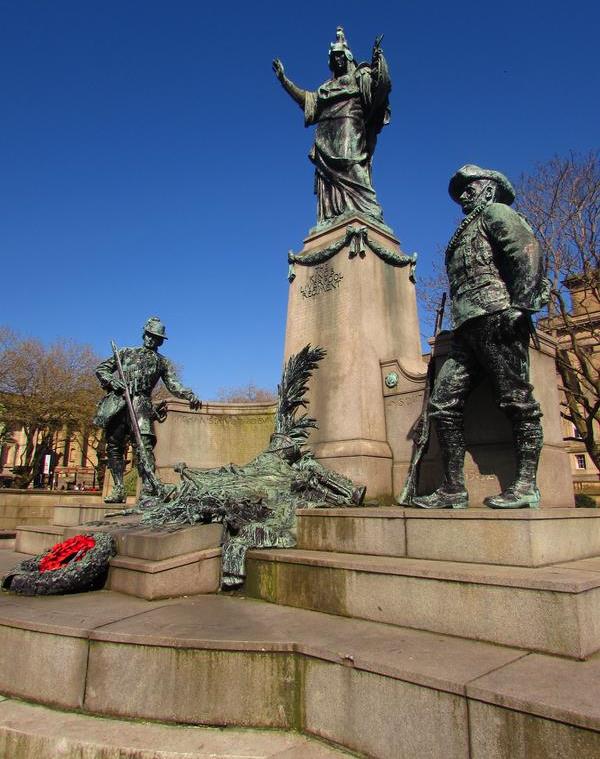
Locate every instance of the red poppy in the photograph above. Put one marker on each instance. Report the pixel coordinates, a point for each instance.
(73, 549)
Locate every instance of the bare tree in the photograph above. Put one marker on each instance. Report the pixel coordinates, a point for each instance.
(46, 391)
(561, 200)
(249, 393)
(430, 290)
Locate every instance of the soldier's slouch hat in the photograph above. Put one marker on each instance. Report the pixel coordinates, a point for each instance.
(154, 326)
(470, 172)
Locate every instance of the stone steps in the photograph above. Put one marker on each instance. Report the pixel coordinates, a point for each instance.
(183, 575)
(551, 609)
(523, 537)
(375, 689)
(36, 732)
(34, 539)
(149, 563)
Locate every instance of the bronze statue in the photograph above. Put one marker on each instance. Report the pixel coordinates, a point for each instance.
(350, 109)
(143, 368)
(257, 502)
(494, 268)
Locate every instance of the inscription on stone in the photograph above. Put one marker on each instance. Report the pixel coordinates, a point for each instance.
(223, 420)
(323, 280)
(408, 399)
(237, 420)
(477, 477)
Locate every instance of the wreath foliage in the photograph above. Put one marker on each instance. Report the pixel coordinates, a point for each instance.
(73, 566)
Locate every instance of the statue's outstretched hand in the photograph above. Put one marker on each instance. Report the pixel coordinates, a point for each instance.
(195, 402)
(161, 411)
(278, 69)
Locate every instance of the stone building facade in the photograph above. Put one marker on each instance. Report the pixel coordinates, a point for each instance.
(584, 323)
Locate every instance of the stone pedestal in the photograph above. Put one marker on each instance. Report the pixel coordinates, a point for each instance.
(156, 563)
(353, 295)
(490, 459)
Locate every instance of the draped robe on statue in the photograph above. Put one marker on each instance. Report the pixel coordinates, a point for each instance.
(349, 112)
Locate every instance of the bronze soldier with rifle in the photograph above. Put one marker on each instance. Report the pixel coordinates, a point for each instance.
(129, 376)
(495, 271)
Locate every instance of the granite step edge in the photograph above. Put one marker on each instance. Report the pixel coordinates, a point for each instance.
(36, 728)
(554, 577)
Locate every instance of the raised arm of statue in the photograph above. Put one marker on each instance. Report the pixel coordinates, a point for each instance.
(380, 74)
(295, 92)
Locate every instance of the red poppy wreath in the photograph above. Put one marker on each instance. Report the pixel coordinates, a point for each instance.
(73, 566)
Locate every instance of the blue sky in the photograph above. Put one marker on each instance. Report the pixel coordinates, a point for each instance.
(150, 163)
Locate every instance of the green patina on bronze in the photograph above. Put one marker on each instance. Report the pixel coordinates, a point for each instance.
(495, 271)
(358, 240)
(129, 376)
(257, 502)
(350, 109)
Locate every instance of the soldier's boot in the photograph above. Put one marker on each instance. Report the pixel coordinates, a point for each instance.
(117, 494)
(523, 492)
(146, 486)
(452, 493)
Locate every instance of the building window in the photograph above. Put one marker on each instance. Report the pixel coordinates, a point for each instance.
(580, 461)
(576, 434)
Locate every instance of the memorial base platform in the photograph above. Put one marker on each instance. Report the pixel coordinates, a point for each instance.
(370, 644)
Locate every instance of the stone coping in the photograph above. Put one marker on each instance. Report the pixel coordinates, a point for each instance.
(541, 685)
(163, 565)
(46, 529)
(545, 686)
(561, 579)
(399, 512)
(339, 225)
(219, 623)
(588, 565)
(137, 541)
(209, 408)
(39, 731)
(100, 506)
(367, 512)
(58, 494)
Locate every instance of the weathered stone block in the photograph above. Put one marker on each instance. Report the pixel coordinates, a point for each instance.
(498, 733)
(551, 610)
(524, 537)
(43, 667)
(362, 530)
(34, 539)
(383, 717)
(196, 686)
(187, 574)
(362, 310)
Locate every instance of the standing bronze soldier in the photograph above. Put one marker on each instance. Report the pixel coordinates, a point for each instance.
(143, 368)
(494, 268)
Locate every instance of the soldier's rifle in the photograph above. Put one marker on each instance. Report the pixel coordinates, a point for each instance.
(533, 332)
(423, 426)
(146, 469)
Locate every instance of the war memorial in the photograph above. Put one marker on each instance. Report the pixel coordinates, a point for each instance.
(388, 564)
